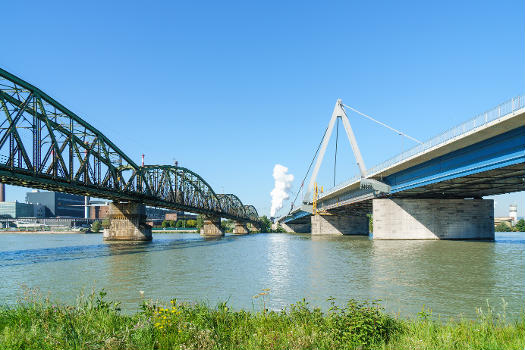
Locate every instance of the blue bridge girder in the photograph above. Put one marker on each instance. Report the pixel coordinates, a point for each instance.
(505, 152)
(481, 157)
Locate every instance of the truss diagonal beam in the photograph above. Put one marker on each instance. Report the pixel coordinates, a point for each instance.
(83, 161)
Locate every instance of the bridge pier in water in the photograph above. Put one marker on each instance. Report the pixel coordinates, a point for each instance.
(212, 227)
(254, 228)
(127, 223)
(303, 227)
(241, 228)
(433, 219)
(322, 224)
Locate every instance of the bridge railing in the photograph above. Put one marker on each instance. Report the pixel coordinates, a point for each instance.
(482, 119)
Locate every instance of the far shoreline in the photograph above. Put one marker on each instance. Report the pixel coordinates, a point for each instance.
(48, 232)
(84, 233)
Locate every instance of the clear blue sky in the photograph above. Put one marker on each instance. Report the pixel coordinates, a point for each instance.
(229, 89)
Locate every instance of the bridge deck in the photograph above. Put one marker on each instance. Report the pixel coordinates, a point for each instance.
(483, 156)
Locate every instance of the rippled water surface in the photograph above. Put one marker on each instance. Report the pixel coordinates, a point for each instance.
(451, 277)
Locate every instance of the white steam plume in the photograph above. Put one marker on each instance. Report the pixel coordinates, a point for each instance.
(283, 182)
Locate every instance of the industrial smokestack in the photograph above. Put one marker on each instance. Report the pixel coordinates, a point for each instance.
(2, 192)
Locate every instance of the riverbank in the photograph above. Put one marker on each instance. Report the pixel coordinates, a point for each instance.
(94, 323)
(48, 232)
(160, 230)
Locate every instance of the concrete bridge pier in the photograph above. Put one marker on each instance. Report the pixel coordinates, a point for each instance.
(241, 228)
(433, 219)
(252, 228)
(303, 227)
(326, 224)
(212, 227)
(127, 223)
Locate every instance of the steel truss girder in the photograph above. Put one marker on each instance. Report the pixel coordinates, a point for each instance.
(45, 145)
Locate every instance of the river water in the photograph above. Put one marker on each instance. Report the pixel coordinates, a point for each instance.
(450, 277)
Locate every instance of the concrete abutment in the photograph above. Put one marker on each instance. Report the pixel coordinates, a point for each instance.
(127, 223)
(433, 219)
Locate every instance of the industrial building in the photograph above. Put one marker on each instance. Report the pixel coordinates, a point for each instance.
(45, 204)
(98, 211)
(14, 210)
(180, 215)
(510, 220)
(58, 204)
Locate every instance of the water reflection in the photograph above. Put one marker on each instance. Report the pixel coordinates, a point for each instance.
(441, 275)
(451, 277)
(126, 268)
(279, 263)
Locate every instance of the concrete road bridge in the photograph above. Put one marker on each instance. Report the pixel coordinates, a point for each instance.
(45, 145)
(433, 191)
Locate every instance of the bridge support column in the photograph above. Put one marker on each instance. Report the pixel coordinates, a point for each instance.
(297, 228)
(212, 227)
(240, 228)
(127, 223)
(252, 228)
(339, 225)
(433, 219)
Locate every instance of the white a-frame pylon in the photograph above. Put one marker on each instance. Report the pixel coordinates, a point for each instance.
(338, 112)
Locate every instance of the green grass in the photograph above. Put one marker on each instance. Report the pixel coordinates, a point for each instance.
(94, 323)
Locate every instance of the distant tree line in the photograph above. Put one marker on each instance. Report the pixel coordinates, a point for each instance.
(96, 226)
(266, 226)
(179, 224)
(519, 227)
(227, 225)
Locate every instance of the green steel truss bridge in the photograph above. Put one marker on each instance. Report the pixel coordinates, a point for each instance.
(45, 145)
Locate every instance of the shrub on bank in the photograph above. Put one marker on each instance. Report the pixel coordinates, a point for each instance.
(96, 226)
(94, 323)
(298, 327)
